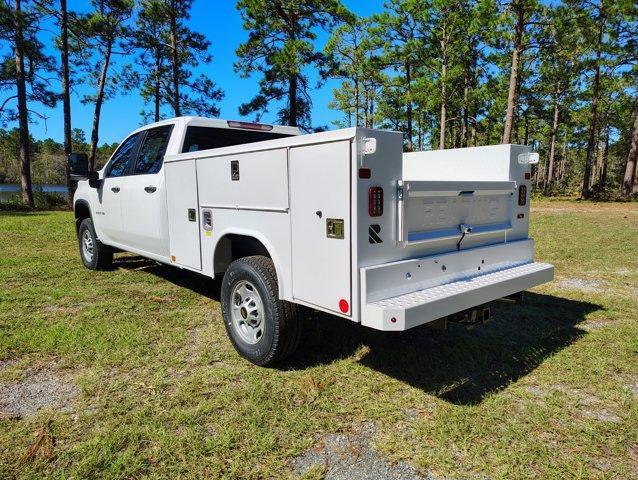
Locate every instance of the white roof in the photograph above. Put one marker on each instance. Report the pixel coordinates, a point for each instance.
(215, 123)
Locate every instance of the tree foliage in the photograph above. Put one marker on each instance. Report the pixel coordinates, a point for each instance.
(280, 48)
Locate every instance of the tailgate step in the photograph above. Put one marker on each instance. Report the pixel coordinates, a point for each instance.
(416, 308)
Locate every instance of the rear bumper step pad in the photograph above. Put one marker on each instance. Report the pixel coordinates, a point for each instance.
(423, 306)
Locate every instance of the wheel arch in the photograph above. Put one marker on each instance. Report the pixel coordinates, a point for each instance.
(81, 210)
(236, 243)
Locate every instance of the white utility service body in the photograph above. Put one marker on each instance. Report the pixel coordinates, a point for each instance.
(354, 226)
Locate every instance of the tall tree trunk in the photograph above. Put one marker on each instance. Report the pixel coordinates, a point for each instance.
(593, 122)
(465, 121)
(357, 107)
(629, 181)
(23, 115)
(99, 100)
(175, 62)
(443, 118)
(371, 109)
(604, 160)
(66, 96)
(474, 131)
(292, 103)
(549, 177)
(443, 115)
(563, 160)
(408, 79)
(156, 86)
(518, 7)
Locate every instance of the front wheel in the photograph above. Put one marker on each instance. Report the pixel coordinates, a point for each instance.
(262, 328)
(95, 255)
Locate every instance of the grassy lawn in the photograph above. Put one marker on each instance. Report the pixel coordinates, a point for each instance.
(549, 389)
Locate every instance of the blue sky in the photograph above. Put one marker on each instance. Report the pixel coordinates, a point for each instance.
(221, 23)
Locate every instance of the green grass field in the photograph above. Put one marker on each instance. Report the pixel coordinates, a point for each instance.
(548, 389)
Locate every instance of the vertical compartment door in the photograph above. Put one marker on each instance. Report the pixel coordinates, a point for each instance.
(320, 225)
(183, 214)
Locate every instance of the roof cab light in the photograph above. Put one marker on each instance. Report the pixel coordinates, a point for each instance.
(250, 126)
(375, 201)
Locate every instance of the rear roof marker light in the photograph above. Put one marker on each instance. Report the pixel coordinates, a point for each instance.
(249, 125)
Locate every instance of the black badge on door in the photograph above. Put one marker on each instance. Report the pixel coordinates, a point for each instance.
(373, 233)
(234, 170)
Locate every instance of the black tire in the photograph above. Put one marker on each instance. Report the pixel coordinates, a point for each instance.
(282, 323)
(102, 255)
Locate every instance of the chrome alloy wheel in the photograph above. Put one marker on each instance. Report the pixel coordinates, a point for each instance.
(87, 246)
(247, 312)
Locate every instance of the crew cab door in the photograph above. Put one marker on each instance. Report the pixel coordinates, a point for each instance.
(108, 210)
(144, 197)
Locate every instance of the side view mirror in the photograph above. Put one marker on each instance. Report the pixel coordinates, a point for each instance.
(94, 179)
(78, 166)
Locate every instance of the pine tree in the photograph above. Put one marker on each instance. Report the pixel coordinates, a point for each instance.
(280, 47)
(21, 76)
(188, 49)
(557, 77)
(519, 16)
(352, 53)
(399, 26)
(97, 38)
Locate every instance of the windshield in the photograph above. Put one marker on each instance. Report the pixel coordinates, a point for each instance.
(204, 138)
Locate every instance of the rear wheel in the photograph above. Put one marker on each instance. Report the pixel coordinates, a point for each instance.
(262, 328)
(95, 255)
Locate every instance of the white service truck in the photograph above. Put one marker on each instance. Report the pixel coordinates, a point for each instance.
(342, 222)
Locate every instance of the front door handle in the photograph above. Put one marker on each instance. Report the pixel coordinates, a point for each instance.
(115, 189)
(150, 189)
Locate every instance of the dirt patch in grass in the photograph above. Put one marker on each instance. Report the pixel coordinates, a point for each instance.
(588, 404)
(632, 386)
(624, 208)
(63, 310)
(350, 456)
(582, 284)
(40, 387)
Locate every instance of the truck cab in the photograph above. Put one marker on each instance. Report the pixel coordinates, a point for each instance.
(341, 222)
(129, 207)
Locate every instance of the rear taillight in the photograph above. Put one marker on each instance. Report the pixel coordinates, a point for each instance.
(375, 201)
(522, 195)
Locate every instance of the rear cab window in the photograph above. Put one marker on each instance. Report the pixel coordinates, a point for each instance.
(205, 138)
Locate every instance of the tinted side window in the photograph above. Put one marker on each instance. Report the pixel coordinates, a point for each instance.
(151, 155)
(203, 138)
(122, 157)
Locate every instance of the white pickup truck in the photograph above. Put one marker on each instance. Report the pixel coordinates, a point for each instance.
(342, 222)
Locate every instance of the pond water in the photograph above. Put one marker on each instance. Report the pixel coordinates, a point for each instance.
(8, 190)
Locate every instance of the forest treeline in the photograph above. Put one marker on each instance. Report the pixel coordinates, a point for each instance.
(560, 76)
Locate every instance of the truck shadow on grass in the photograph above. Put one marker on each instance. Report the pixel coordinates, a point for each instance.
(458, 365)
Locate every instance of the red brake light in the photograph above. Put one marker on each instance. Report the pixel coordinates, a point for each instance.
(250, 126)
(375, 201)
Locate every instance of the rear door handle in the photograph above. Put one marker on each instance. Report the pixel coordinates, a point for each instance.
(115, 189)
(150, 189)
